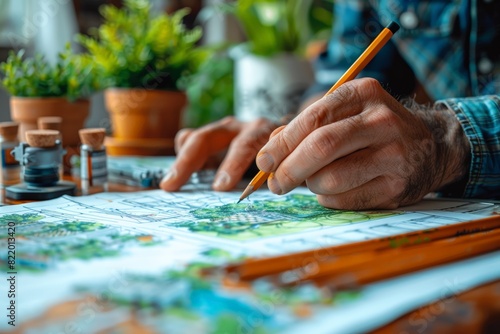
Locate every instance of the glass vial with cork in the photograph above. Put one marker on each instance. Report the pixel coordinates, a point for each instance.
(40, 157)
(10, 169)
(93, 161)
(52, 123)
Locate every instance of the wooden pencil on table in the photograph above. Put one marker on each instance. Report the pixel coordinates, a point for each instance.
(383, 37)
(255, 268)
(394, 262)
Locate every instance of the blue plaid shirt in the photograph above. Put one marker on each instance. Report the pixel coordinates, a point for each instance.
(448, 46)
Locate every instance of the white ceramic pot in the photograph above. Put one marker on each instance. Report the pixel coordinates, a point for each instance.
(269, 87)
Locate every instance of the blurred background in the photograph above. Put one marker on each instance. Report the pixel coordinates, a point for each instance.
(45, 26)
(273, 27)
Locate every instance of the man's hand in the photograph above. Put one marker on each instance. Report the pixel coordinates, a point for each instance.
(359, 148)
(197, 148)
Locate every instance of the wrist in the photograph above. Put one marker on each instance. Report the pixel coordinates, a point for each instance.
(455, 148)
(451, 149)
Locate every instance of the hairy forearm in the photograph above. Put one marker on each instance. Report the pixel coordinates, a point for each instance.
(451, 148)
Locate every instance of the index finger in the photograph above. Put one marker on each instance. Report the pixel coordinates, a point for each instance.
(196, 150)
(347, 100)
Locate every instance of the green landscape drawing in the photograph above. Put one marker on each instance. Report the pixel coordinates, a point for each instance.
(266, 218)
(193, 299)
(40, 244)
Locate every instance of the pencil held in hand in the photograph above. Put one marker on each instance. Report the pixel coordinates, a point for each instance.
(255, 184)
(370, 52)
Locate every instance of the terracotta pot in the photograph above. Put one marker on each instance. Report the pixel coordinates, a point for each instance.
(27, 110)
(143, 113)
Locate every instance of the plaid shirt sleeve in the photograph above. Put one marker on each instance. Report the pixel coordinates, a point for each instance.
(355, 25)
(450, 48)
(480, 119)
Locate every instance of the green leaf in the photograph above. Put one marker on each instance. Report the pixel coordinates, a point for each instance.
(137, 48)
(73, 76)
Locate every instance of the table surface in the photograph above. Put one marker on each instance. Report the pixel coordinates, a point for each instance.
(472, 311)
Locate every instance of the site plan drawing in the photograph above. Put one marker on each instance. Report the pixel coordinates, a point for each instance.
(113, 252)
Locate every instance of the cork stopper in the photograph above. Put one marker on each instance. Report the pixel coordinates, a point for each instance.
(93, 137)
(42, 138)
(49, 123)
(8, 130)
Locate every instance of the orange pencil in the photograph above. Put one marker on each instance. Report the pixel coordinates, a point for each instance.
(255, 268)
(370, 52)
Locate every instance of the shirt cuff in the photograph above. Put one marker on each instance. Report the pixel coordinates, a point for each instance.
(480, 120)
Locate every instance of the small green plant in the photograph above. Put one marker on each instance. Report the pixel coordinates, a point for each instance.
(73, 76)
(274, 26)
(136, 49)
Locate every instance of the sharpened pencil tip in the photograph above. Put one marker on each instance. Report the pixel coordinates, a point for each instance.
(239, 201)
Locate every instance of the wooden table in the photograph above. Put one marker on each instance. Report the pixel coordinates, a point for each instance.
(473, 311)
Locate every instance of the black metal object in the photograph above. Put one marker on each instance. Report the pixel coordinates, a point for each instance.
(40, 173)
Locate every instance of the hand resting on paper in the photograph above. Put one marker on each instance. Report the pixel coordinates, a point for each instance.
(197, 148)
(359, 148)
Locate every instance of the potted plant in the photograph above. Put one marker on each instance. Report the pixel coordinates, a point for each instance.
(40, 89)
(142, 57)
(271, 70)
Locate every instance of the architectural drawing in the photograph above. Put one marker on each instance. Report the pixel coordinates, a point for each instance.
(41, 244)
(119, 252)
(264, 218)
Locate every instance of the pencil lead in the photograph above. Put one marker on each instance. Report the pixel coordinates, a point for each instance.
(239, 201)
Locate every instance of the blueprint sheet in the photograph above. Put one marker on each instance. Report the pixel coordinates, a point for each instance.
(127, 245)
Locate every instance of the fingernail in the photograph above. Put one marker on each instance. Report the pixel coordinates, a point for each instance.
(265, 161)
(172, 173)
(221, 181)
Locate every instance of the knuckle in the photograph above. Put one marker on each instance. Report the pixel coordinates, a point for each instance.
(227, 120)
(394, 186)
(356, 123)
(181, 135)
(256, 135)
(286, 176)
(344, 94)
(369, 85)
(262, 122)
(262, 130)
(249, 143)
(321, 145)
(183, 131)
(315, 117)
(282, 142)
(326, 184)
(276, 131)
(332, 182)
(357, 90)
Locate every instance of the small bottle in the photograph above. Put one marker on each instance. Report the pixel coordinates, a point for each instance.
(10, 169)
(52, 123)
(40, 157)
(93, 161)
